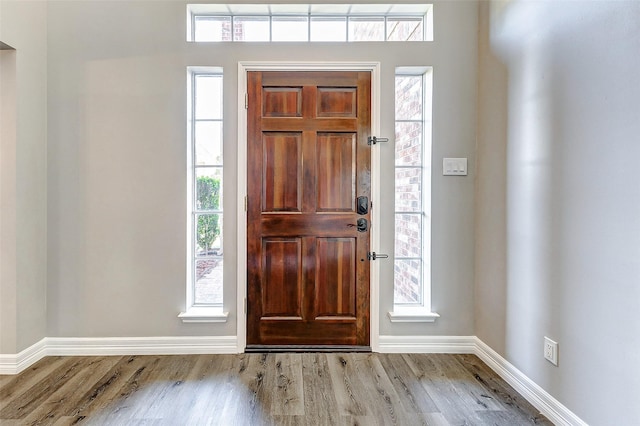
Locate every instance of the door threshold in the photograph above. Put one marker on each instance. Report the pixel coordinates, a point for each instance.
(306, 348)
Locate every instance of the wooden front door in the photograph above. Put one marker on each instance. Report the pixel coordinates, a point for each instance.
(308, 162)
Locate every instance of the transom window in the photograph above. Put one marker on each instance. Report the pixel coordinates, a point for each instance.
(309, 22)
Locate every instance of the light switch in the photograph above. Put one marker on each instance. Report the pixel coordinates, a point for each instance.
(454, 166)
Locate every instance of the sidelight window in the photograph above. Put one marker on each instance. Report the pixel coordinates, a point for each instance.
(412, 269)
(205, 197)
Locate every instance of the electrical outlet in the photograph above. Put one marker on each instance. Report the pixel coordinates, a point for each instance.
(551, 351)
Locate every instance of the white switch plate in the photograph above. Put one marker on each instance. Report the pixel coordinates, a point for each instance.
(454, 166)
(551, 351)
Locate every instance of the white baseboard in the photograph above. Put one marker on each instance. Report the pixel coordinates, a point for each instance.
(427, 344)
(74, 346)
(538, 397)
(14, 364)
(104, 346)
(49, 346)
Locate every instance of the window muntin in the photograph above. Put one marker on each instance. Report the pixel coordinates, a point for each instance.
(412, 188)
(315, 23)
(206, 189)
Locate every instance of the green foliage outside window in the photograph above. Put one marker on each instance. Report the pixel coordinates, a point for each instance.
(208, 230)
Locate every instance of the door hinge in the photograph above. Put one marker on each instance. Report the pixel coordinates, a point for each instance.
(372, 140)
(372, 255)
(245, 203)
(246, 101)
(245, 305)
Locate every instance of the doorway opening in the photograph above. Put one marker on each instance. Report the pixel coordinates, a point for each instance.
(306, 281)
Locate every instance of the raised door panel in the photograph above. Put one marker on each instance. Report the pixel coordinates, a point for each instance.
(281, 101)
(335, 278)
(282, 172)
(336, 172)
(337, 102)
(282, 278)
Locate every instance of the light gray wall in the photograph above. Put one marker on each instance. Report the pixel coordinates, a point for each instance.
(117, 166)
(559, 119)
(23, 197)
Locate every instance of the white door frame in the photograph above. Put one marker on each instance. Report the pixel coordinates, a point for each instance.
(241, 295)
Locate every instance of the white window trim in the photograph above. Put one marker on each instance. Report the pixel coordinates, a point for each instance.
(196, 313)
(412, 314)
(419, 313)
(374, 294)
(204, 314)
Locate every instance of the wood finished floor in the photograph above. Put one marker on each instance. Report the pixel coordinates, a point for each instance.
(263, 389)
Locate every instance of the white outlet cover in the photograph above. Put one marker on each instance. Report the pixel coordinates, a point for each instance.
(551, 351)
